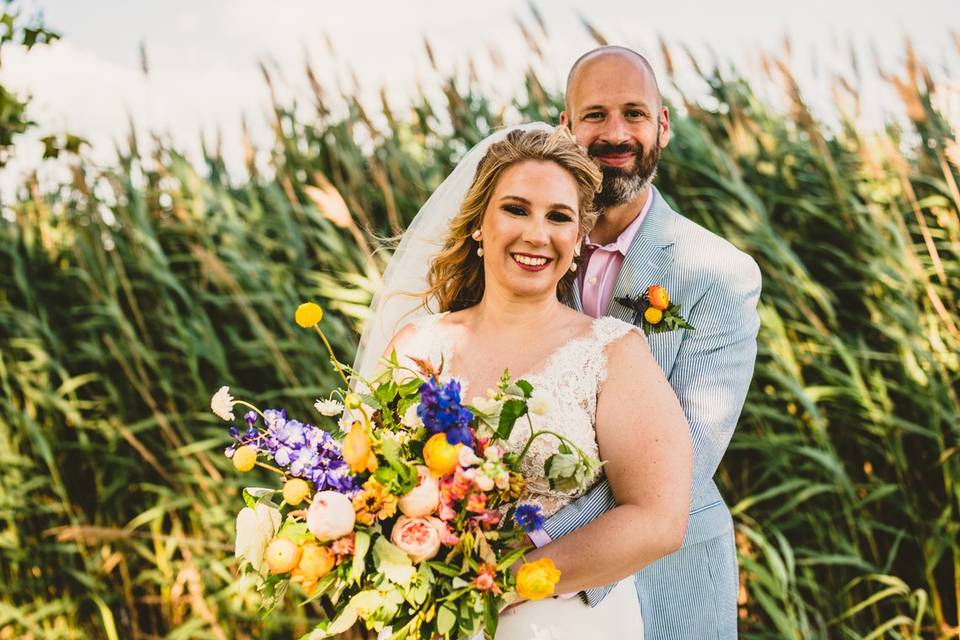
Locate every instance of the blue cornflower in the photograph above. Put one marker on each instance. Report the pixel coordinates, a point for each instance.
(529, 517)
(442, 411)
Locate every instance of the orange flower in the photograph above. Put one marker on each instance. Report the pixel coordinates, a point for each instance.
(658, 297)
(537, 580)
(315, 562)
(440, 456)
(357, 452)
(374, 503)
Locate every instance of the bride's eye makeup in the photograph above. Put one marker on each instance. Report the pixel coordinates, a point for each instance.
(515, 209)
(559, 216)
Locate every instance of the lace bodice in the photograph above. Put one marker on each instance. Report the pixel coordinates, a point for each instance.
(571, 377)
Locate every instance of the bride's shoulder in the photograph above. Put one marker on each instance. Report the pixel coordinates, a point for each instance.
(610, 331)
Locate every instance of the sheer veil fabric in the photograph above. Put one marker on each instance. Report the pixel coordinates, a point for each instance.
(396, 303)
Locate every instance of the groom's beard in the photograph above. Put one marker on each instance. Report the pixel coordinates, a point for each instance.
(623, 185)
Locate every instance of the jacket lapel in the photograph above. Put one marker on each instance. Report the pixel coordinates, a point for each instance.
(647, 260)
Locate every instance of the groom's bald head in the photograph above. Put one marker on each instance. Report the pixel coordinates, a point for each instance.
(606, 58)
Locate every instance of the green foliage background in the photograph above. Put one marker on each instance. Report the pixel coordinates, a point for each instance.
(129, 294)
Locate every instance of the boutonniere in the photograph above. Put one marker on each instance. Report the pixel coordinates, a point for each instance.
(654, 311)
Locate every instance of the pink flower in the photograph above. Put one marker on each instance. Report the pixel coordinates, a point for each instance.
(446, 511)
(467, 458)
(485, 580)
(489, 517)
(423, 499)
(330, 516)
(344, 546)
(419, 537)
(448, 536)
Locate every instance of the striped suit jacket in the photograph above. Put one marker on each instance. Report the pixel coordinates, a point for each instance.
(692, 593)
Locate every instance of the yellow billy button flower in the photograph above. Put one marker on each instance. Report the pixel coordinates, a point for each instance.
(353, 401)
(536, 580)
(357, 451)
(295, 491)
(440, 456)
(308, 315)
(244, 458)
(653, 315)
(658, 297)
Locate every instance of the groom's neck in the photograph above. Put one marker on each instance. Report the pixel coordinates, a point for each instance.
(613, 220)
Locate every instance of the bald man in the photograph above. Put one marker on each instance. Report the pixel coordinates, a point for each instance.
(614, 108)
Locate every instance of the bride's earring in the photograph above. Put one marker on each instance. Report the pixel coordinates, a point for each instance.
(573, 265)
(476, 235)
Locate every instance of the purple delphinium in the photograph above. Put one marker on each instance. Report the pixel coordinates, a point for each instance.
(303, 450)
(529, 517)
(442, 411)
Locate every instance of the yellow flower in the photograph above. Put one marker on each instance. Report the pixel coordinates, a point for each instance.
(653, 315)
(353, 401)
(295, 490)
(374, 503)
(536, 580)
(308, 314)
(440, 456)
(658, 297)
(244, 458)
(357, 451)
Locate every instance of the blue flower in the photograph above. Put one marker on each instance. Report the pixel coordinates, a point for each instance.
(529, 517)
(442, 411)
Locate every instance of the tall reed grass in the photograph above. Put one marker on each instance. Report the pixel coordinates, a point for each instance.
(128, 294)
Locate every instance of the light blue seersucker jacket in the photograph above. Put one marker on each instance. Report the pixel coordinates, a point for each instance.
(693, 592)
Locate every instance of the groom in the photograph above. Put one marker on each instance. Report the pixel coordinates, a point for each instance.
(614, 109)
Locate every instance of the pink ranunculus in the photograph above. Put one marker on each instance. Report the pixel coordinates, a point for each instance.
(330, 516)
(423, 499)
(418, 537)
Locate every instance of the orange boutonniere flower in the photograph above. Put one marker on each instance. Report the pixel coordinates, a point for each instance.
(654, 312)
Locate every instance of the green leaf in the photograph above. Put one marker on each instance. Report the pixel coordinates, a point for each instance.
(446, 618)
(393, 562)
(512, 410)
(361, 543)
(526, 386)
(295, 531)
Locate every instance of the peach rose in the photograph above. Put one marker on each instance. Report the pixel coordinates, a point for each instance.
(418, 537)
(330, 515)
(423, 499)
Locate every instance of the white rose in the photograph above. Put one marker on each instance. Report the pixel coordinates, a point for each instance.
(487, 406)
(330, 515)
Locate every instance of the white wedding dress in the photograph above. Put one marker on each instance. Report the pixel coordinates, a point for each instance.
(571, 376)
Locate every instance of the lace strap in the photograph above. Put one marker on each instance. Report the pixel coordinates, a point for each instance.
(608, 329)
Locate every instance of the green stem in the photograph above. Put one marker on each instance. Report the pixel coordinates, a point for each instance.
(544, 432)
(247, 404)
(333, 357)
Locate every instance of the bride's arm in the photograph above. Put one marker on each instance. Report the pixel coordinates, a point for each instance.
(644, 439)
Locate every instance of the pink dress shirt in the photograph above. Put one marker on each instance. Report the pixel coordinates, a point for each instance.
(603, 264)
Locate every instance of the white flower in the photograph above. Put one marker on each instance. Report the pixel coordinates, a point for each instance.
(467, 458)
(540, 403)
(255, 529)
(484, 482)
(410, 417)
(222, 404)
(328, 407)
(345, 424)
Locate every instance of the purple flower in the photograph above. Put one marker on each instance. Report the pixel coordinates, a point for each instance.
(529, 517)
(442, 411)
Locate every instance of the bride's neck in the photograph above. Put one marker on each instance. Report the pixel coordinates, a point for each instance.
(497, 310)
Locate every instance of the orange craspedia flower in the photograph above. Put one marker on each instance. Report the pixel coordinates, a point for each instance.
(440, 456)
(653, 315)
(308, 314)
(537, 580)
(357, 451)
(658, 297)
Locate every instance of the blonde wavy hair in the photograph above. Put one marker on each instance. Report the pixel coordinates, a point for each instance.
(456, 278)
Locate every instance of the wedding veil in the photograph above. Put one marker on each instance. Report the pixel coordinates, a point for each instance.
(396, 302)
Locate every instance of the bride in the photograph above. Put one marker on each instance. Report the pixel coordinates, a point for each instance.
(505, 260)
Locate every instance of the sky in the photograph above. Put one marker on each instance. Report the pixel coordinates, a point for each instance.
(203, 55)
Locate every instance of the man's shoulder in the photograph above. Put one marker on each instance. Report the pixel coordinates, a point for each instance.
(700, 253)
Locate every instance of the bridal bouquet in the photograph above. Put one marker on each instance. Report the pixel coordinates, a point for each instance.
(406, 513)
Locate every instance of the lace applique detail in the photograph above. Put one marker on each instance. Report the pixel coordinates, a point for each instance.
(571, 376)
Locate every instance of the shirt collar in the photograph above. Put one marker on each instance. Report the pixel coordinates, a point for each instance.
(625, 239)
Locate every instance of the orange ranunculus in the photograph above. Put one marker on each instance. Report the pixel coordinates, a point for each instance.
(315, 562)
(440, 456)
(357, 451)
(537, 580)
(658, 297)
(653, 315)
